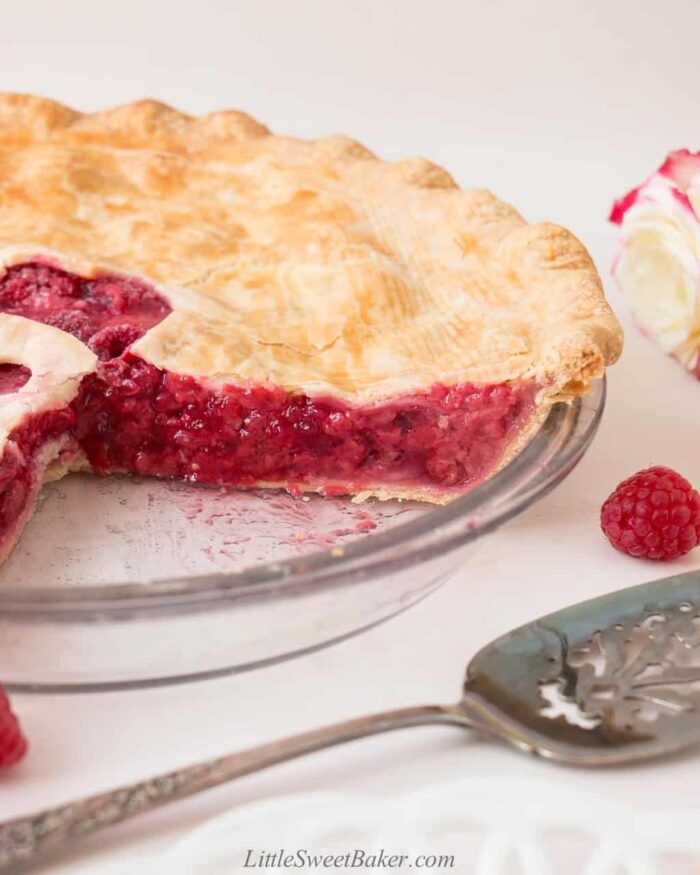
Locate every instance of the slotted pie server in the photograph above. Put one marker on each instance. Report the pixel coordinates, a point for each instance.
(608, 681)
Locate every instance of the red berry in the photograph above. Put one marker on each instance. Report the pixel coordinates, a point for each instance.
(13, 745)
(655, 514)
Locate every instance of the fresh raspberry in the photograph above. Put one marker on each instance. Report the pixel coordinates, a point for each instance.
(13, 745)
(655, 514)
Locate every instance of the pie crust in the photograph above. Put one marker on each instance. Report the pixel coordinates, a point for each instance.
(308, 267)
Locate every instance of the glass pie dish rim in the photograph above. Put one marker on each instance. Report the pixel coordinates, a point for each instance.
(533, 472)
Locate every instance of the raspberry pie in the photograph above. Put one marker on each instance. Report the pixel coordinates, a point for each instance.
(197, 298)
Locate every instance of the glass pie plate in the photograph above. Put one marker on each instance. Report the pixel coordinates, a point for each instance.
(125, 582)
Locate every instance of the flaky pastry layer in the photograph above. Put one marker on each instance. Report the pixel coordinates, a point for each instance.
(57, 361)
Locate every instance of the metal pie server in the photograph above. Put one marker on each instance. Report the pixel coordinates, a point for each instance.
(608, 681)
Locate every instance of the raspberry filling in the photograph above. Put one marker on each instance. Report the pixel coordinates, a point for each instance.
(132, 416)
(12, 378)
(107, 313)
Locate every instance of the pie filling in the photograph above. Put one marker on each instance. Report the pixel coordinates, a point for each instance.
(107, 313)
(12, 378)
(132, 416)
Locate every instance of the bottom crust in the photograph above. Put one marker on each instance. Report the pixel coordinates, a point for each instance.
(50, 463)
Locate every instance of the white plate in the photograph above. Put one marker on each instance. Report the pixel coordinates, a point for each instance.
(491, 826)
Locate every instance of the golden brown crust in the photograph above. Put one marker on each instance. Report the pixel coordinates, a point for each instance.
(310, 264)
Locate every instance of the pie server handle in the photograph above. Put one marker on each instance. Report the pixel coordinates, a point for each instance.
(25, 837)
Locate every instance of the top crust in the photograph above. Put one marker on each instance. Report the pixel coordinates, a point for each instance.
(309, 264)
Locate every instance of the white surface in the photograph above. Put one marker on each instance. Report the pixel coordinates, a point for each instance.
(558, 107)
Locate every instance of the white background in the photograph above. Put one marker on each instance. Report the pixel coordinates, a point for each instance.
(556, 105)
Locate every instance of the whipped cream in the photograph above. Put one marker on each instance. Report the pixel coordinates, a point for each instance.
(658, 265)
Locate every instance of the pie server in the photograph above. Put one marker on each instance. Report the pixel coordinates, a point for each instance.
(608, 681)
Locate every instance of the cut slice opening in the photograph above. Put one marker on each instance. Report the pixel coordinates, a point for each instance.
(130, 416)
